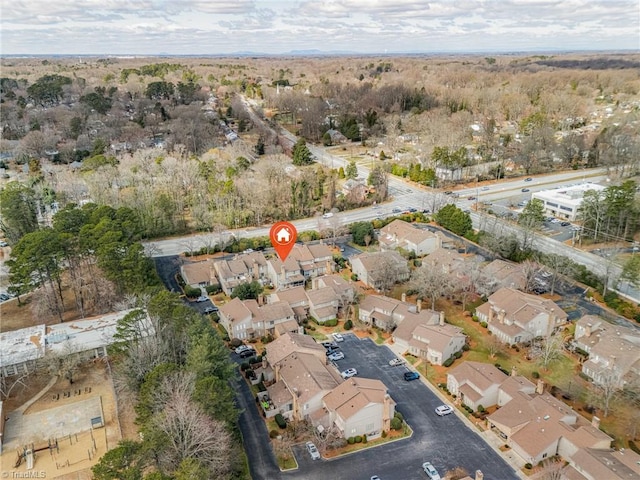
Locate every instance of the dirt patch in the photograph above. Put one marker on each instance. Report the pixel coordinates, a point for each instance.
(78, 451)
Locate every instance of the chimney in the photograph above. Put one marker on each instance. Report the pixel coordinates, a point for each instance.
(501, 315)
(491, 314)
(419, 305)
(441, 318)
(404, 297)
(479, 475)
(261, 299)
(587, 330)
(329, 267)
(514, 371)
(595, 422)
(540, 387)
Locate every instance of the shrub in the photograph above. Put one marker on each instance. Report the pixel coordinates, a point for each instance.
(448, 362)
(235, 342)
(351, 440)
(384, 434)
(480, 408)
(244, 366)
(266, 339)
(273, 434)
(348, 325)
(191, 292)
(483, 324)
(396, 423)
(458, 354)
(358, 438)
(474, 318)
(398, 415)
(331, 323)
(354, 277)
(535, 374)
(528, 466)
(364, 438)
(466, 347)
(261, 387)
(282, 423)
(213, 289)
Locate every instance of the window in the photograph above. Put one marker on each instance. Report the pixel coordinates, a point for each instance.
(554, 205)
(369, 427)
(568, 209)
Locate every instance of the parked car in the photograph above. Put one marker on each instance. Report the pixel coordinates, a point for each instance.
(396, 362)
(247, 353)
(526, 190)
(209, 310)
(375, 477)
(485, 189)
(331, 351)
(242, 348)
(408, 376)
(313, 451)
(430, 470)
(564, 224)
(349, 372)
(471, 197)
(443, 410)
(396, 210)
(202, 298)
(338, 337)
(329, 345)
(3, 243)
(327, 215)
(336, 356)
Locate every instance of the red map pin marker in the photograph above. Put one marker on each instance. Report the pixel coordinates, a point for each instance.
(283, 237)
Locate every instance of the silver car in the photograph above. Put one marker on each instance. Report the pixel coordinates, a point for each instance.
(313, 451)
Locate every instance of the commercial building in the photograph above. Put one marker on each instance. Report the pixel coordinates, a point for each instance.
(564, 202)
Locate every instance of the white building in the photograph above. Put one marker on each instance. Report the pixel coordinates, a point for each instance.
(565, 202)
(21, 349)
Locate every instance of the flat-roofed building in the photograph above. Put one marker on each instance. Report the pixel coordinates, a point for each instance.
(565, 202)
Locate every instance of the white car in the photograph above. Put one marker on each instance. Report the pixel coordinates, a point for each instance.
(336, 356)
(338, 337)
(396, 362)
(443, 410)
(202, 298)
(349, 372)
(313, 451)
(431, 471)
(242, 348)
(327, 215)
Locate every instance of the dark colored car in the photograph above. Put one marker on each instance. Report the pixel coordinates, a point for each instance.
(247, 353)
(408, 376)
(528, 179)
(525, 189)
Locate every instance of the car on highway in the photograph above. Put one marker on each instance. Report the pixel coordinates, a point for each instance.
(396, 362)
(430, 470)
(336, 356)
(349, 372)
(448, 192)
(313, 451)
(408, 376)
(485, 188)
(375, 477)
(443, 410)
(471, 197)
(327, 215)
(338, 337)
(526, 190)
(528, 179)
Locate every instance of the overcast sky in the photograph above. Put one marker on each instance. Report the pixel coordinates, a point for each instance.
(212, 27)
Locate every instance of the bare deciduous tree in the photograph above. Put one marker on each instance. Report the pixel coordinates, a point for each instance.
(190, 433)
(430, 282)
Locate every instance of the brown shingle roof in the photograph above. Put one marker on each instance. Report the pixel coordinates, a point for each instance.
(288, 343)
(352, 395)
(306, 376)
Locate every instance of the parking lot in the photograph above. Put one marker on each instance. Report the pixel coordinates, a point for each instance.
(435, 439)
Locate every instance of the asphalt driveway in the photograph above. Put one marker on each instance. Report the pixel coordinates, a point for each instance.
(444, 441)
